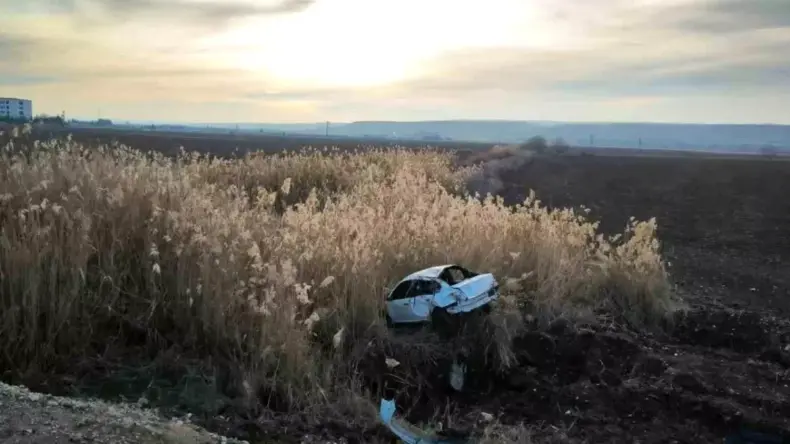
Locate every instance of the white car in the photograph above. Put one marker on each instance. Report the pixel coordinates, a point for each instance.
(446, 289)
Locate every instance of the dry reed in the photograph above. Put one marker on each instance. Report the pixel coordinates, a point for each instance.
(251, 262)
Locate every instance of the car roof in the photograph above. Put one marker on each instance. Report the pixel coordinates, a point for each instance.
(428, 273)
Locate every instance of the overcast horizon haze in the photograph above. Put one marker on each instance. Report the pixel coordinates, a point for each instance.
(297, 61)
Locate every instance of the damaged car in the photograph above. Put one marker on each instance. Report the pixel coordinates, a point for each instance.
(438, 293)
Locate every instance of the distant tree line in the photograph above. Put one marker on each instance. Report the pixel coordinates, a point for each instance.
(539, 145)
(10, 119)
(97, 122)
(59, 120)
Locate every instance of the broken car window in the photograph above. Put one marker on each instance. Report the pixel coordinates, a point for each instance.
(454, 275)
(401, 291)
(423, 287)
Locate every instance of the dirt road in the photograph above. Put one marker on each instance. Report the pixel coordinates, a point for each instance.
(33, 418)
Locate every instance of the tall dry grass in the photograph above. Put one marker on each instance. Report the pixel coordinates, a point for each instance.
(272, 266)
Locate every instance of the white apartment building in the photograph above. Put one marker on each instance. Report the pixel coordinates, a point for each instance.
(14, 108)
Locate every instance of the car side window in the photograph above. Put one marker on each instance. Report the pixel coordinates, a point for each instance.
(424, 287)
(401, 291)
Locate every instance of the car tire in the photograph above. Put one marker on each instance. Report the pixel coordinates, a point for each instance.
(388, 319)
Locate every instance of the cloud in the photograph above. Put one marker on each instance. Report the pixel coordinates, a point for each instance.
(569, 58)
(120, 41)
(45, 58)
(13, 47)
(206, 13)
(7, 79)
(729, 16)
(635, 55)
(15, 54)
(49, 69)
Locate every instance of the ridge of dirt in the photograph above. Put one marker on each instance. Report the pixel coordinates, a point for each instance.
(35, 418)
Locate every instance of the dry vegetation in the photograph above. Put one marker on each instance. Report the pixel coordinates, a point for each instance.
(268, 270)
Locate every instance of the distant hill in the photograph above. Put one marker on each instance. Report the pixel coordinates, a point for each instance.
(675, 136)
(617, 135)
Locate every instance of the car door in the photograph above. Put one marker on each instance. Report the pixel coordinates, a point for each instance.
(421, 297)
(399, 303)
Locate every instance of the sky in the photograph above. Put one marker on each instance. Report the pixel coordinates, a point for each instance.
(711, 61)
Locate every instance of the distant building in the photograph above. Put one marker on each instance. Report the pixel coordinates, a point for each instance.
(15, 109)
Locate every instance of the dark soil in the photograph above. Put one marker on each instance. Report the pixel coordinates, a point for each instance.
(725, 229)
(724, 223)
(717, 373)
(227, 144)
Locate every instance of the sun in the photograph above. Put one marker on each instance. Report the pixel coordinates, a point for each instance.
(340, 59)
(359, 43)
(327, 46)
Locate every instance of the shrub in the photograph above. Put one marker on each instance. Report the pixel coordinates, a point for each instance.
(536, 144)
(271, 268)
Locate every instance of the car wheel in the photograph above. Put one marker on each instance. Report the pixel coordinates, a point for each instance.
(389, 320)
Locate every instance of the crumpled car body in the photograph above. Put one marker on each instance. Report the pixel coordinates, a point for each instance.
(451, 288)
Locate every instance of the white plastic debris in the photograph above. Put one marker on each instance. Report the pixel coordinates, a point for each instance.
(337, 339)
(457, 376)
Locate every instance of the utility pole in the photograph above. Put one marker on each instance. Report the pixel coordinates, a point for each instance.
(592, 140)
(327, 128)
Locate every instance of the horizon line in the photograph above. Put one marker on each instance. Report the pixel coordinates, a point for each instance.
(460, 120)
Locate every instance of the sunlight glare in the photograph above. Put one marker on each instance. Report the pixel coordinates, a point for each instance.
(369, 43)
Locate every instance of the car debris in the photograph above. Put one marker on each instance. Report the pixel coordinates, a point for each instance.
(437, 293)
(391, 363)
(457, 376)
(407, 432)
